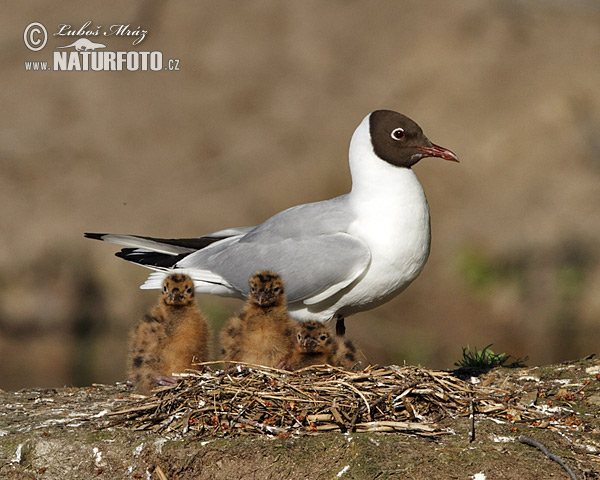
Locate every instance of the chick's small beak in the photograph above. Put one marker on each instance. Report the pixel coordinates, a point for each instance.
(175, 295)
(261, 297)
(440, 152)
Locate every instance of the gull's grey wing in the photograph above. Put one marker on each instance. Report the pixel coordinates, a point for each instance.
(310, 266)
(311, 219)
(307, 245)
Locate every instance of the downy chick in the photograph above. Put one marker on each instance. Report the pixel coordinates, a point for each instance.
(315, 345)
(262, 333)
(169, 337)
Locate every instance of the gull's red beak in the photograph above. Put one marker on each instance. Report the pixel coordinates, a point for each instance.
(440, 152)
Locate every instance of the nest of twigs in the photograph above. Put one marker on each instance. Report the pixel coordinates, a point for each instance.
(244, 399)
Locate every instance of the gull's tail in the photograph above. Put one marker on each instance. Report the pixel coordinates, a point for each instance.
(160, 253)
(163, 254)
(154, 252)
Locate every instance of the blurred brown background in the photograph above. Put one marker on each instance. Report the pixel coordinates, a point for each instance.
(258, 119)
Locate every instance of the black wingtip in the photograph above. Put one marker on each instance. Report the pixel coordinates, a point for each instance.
(147, 258)
(95, 236)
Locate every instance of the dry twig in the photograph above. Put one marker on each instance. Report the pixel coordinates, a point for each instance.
(541, 447)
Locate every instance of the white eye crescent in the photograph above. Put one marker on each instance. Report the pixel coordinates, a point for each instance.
(398, 133)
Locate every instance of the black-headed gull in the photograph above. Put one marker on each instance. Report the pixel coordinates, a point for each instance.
(336, 257)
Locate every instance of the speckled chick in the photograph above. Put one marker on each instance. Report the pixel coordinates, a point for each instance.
(345, 356)
(169, 337)
(262, 333)
(315, 345)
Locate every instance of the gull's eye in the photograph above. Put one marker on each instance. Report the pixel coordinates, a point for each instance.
(323, 337)
(398, 134)
(165, 288)
(188, 290)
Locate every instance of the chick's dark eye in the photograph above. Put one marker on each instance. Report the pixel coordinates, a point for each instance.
(323, 337)
(398, 134)
(165, 289)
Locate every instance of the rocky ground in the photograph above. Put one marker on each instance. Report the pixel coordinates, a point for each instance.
(73, 433)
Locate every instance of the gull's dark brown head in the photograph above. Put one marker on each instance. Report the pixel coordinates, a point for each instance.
(178, 290)
(313, 337)
(400, 141)
(266, 289)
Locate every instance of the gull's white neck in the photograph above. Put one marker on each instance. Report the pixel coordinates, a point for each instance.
(376, 181)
